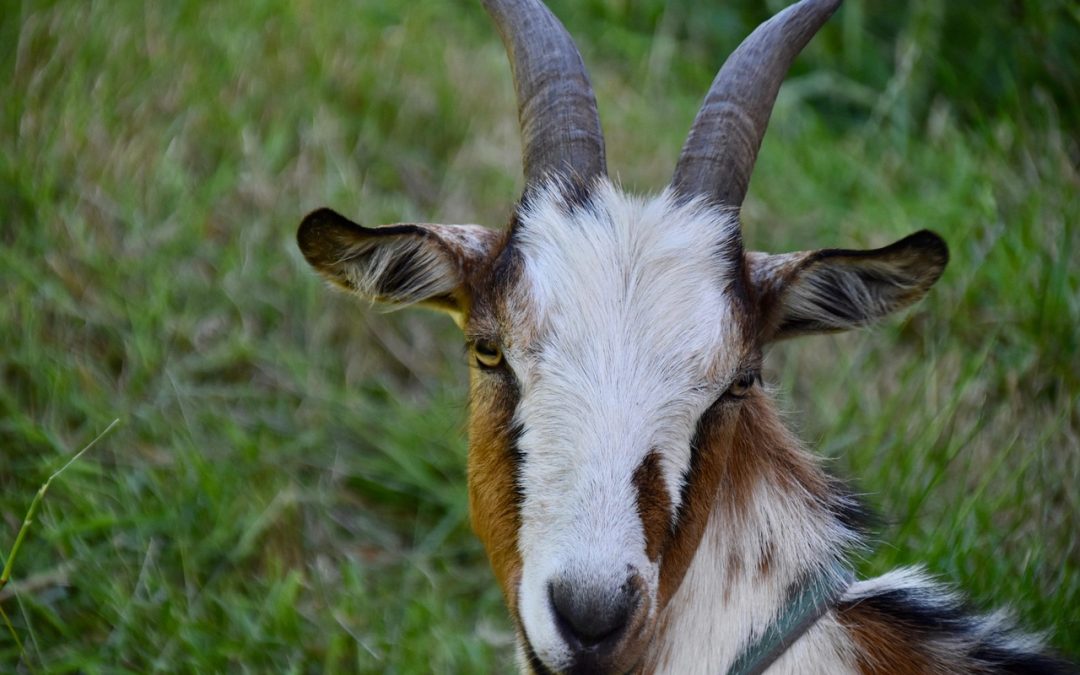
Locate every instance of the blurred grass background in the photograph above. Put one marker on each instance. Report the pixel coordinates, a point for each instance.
(286, 491)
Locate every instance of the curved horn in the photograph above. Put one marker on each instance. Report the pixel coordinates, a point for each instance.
(723, 144)
(560, 126)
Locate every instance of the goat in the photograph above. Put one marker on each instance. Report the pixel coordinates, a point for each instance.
(642, 506)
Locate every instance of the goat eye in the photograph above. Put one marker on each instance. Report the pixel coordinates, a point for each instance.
(488, 354)
(742, 385)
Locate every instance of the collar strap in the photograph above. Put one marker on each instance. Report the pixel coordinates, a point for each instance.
(807, 605)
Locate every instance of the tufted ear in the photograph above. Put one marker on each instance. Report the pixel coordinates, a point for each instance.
(833, 289)
(400, 264)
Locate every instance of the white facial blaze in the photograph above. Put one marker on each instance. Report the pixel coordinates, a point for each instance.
(630, 338)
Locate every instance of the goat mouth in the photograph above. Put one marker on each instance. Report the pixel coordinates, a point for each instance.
(538, 667)
(584, 663)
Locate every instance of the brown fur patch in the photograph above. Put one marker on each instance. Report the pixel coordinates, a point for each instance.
(494, 493)
(654, 505)
(765, 563)
(883, 648)
(493, 489)
(713, 445)
(739, 446)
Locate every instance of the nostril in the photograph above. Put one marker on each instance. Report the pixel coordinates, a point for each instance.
(589, 617)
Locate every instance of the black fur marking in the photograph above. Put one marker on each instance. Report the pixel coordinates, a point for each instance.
(835, 307)
(525, 204)
(490, 283)
(400, 271)
(325, 226)
(948, 621)
(1006, 662)
(833, 299)
(740, 287)
(805, 325)
(577, 194)
(851, 511)
(517, 458)
(927, 243)
(929, 616)
(690, 476)
(505, 270)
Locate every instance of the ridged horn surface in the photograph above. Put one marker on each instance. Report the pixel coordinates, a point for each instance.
(560, 125)
(723, 144)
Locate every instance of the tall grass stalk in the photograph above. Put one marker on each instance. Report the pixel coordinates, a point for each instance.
(28, 520)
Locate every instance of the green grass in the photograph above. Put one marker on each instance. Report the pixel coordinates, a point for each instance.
(286, 489)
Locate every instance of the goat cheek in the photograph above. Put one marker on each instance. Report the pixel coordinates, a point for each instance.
(715, 441)
(493, 492)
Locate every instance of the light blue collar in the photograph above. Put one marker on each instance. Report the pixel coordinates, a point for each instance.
(806, 606)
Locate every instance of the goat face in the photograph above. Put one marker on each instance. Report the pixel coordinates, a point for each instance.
(618, 324)
(614, 340)
(616, 345)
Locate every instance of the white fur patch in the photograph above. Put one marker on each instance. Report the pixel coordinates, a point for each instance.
(719, 609)
(631, 337)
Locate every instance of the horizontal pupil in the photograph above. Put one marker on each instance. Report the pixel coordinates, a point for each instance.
(487, 354)
(743, 384)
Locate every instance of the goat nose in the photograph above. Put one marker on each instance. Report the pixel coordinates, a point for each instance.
(591, 618)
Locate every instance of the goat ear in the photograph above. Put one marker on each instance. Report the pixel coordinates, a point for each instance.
(833, 290)
(397, 265)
